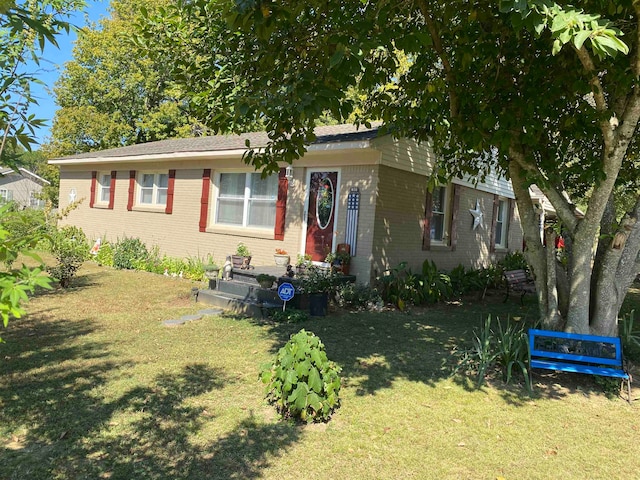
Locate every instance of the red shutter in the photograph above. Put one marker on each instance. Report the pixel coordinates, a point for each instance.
(92, 199)
(281, 205)
(112, 188)
(426, 222)
(172, 180)
(492, 242)
(204, 199)
(132, 189)
(453, 227)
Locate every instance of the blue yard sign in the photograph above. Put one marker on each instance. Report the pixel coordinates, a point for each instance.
(286, 291)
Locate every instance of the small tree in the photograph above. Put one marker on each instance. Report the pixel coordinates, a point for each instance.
(17, 283)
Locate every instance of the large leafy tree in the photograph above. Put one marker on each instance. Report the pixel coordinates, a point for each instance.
(111, 95)
(544, 92)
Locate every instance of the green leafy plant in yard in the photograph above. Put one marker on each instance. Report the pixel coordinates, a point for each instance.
(435, 284)
(514, 261)
(129, 253)
(17, 283)
(302, 382)
(504, 347)
(629, 335)
(70, 247)
(398, 287)
(104, 256)
(289, 315)
(464, 281)
(357, 296)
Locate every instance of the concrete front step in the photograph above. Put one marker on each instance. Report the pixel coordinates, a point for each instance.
(238, 303)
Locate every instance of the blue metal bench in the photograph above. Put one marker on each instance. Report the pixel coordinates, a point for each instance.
(572, 352)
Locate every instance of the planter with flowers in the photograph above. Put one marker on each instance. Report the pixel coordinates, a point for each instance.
(242, 257)
(281, 257)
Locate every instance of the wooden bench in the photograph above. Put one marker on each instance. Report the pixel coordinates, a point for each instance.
(572, 352)
(518, 281)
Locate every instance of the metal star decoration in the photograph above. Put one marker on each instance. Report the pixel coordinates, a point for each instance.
(477, 215)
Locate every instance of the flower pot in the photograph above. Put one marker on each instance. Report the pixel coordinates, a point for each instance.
(281, 260)
(240, 262)
(318, 303)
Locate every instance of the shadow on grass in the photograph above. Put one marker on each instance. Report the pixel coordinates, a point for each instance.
(376, 349)
(62, 417)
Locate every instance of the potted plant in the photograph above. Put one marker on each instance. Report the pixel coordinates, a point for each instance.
(281, 257)
(316, 283)
(265, 280)
(302, 263)
(339, 261)
(211, 272)
(242, 257)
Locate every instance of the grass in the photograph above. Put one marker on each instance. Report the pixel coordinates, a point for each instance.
(93, 386)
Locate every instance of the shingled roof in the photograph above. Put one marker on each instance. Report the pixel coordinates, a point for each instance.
(217, 143)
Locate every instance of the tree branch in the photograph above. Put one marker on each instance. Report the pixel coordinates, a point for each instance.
(564, 208)
(454, 107)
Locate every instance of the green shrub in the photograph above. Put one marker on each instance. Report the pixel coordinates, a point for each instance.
(70, 247)
(358, 297)
(629, 335)
(514, 261)
(105, 255)
(301, 382)
(436, 285)
(464, 281)
(130, 253)
(289, 315)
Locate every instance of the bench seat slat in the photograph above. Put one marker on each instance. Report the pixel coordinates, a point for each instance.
(576, 357)
(572, 367)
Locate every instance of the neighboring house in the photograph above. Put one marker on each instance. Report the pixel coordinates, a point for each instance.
(23, 187)
(194, 197)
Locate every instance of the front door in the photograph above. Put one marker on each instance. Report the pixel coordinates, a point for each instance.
(323, 192)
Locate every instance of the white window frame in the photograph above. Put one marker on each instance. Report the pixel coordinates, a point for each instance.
(34, 201)
(156, 190)
(4, 195)
(502, 223)
(246, 199)
(444, 213)
(104, 188)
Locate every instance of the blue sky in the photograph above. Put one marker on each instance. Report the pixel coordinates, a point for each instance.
(53, 62)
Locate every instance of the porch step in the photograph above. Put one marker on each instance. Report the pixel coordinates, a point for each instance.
(238, 303)
(248, 291)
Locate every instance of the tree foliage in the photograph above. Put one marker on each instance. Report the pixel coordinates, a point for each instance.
(110, 96)
(26, 27)
(543, 92)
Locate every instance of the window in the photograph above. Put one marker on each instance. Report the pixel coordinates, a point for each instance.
(153, 188)
(247, 200)
(34, 199)
(438, 215)
(501, 223)
(5, 195)
(104, 187)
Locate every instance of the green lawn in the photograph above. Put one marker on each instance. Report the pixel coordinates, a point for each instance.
(93, 386)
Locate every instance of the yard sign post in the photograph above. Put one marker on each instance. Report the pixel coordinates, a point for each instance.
(286, 293)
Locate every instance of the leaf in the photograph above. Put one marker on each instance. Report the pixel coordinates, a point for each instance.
(580, 38)
(315, 382)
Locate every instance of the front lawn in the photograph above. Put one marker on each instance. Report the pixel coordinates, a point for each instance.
(93, 386)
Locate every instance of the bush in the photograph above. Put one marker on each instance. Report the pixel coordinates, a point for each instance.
(105, 255)
(301, 382)
(129, 253)
(70, 247)
(514, 261)
(358, 297)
